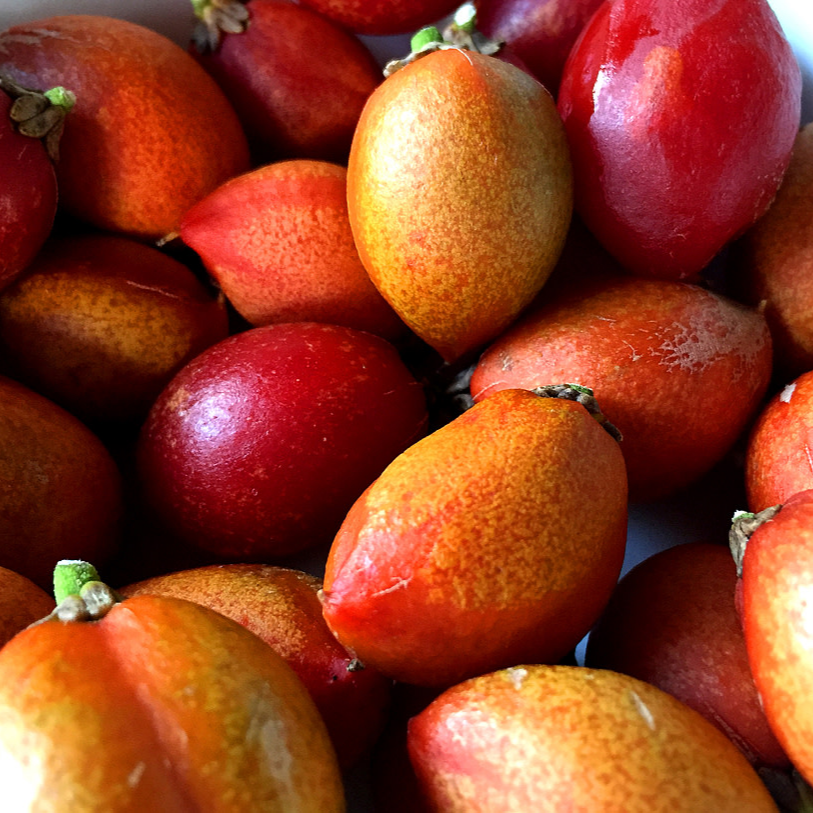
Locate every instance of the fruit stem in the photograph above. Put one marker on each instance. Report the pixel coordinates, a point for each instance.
(584, 396)
(217, 17)
(426, 37)
(743, 525)
(70, 576)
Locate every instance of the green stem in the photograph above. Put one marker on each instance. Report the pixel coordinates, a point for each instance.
(70, 576)
(61, 97)
(426, 36)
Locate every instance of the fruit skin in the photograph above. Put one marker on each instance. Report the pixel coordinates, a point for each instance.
(282, 607)
(139, 705)
(777, 457)
(496, 539)
(101, 323)
(278, 242)
(259, 446)
(773, 263)
(672, 622)
(540, 32)
(777, 577)
(28, 196)
(681, 119)
(554, 738)
(646, 348)
(459, 193)
(151, 133)
(60, 490)
(382, 17)
(297, 81)
(21, 603)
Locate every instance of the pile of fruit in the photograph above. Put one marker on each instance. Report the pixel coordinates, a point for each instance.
(347, 380)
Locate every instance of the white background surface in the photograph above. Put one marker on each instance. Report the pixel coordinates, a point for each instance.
(701, 513)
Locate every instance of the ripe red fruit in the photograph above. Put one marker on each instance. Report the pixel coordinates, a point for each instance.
(151, 132)
(383, 16)
(297, 80)
(681, 123)
(259, 446)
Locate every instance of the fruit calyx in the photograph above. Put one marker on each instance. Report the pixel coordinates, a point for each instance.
(80, 594)
(460, 35)
(584, 396)
(217, 17)
(39, 114)
(743, 525)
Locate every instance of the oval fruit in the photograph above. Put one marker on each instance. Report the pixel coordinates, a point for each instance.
(681, 120)
(496, 539)
(554, 738)
(151, 132)
(259, 446)
(459, 195)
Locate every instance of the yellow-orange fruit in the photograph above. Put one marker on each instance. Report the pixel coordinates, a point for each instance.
(459, 195)
(555, 738)
(21, 603)
(496, 540)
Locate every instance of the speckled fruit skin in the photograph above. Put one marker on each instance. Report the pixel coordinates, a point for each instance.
(554, 738)
(672, 622)
(60, 490)
(681, 118)
(459, 194)
(646, 348)
(136, 707)
(773, 263)
(151, 133)
(496, 539)
(777, 580)
(777, 458)
(382, 17)
(278, 242)
(21, 603)
(28, 196)
(540, 32)
(297, 81)
(282, 607)
(101, 323)
(260, 445)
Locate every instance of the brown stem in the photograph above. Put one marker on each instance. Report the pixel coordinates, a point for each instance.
(584, 396)
(743, 525)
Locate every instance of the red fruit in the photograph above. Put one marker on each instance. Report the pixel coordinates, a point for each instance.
(297, 80)
(540, 32)
(278, 242)
(383, 16)
(777, 582)
(151, 133)
(283, 608)
(259, 446)
(681, 119)
(28, 196)
(21, 603)
(672, 622)
(778, 457)
(646, 348)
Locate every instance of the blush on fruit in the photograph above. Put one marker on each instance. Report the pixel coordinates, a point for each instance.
(282, 607)
(101, 323)
(278, 242)
(21, 604)
(381, 17)
(258, 447)
(150, 134)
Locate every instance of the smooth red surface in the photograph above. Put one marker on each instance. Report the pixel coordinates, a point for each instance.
(382, 17)
(259, 446)
(681, 118)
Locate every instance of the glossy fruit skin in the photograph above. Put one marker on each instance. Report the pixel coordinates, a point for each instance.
(61, 491)
(681, 119)
(776, 582)
(553, 738)
(456, 247)
(773, 263)
(137, 706)
(777, 458)
(297, 81)
(646, 348)
(540, 32)
(101, 323)
(672, 622)
(278, 242)
(382, 17)
(21, 603)
(28, 196)
(476, 549)
(150, 134)
(259, 446)
(282, 607)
